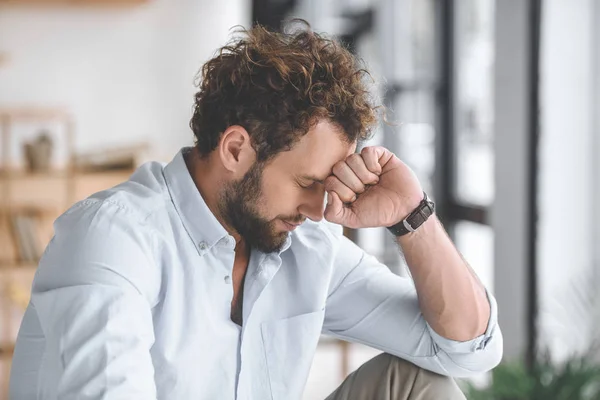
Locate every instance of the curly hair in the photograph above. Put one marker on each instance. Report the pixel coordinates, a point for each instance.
(277, 86)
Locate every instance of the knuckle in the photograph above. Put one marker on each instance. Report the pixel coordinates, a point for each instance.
(338, 167)
(368, 150)
(347, 199)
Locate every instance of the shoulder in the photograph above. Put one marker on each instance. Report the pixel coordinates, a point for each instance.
(135, 201)
(110, 238)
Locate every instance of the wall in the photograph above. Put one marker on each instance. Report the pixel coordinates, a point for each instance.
(566, 244)
(125, 73)
(595, 148)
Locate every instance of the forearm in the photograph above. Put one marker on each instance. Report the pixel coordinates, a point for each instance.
(376, 188)
(451, 297)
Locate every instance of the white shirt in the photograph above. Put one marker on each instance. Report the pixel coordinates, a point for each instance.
(132, 300)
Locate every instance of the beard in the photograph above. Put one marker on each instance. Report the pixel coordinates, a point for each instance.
(239, 207)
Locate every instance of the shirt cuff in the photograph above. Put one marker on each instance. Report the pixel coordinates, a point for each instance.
(474, 345)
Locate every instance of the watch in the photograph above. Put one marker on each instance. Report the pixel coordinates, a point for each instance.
(415, 219)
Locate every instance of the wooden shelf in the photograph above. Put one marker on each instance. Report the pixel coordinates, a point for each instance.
(32, 114)
(20, 174)
(72, 3)
(30, 208)
(23, 174)
(18, 265)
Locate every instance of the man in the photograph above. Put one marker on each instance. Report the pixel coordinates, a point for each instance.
(212, 277)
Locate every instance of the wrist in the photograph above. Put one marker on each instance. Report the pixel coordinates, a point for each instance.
(410, 204)
(412, 220)
(424, 231)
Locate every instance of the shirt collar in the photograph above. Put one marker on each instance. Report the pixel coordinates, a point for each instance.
(198, 220)
(200, 223)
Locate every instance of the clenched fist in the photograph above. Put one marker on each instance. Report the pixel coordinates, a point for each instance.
(371, 189)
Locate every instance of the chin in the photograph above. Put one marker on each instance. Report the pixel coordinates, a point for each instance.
(272, 247)
(270, 243)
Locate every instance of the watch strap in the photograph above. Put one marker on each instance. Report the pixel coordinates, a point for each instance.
(415, 219)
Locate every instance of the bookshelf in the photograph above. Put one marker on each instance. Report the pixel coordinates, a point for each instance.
(29, 204)
(28, 197)
(72, 3)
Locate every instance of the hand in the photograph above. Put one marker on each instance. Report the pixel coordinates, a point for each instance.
(371, 189)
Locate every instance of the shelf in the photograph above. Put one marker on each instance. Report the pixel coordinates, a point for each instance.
(16, 174)
(23, 174)
(72, 3)
(18, 265)
(31, 208)
(32, 114)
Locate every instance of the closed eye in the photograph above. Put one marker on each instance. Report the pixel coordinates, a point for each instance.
(313, 183)
(312, 179)
(307, 186)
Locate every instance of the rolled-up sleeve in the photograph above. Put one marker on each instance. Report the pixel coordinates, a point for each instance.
(369, 304)
(92, 299)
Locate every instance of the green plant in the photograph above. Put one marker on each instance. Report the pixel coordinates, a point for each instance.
(576, 379)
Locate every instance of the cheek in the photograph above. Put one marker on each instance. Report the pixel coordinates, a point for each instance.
(279, 200)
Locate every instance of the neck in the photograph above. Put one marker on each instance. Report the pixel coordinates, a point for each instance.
(208, 185)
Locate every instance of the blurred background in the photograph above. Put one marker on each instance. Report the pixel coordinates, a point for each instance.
(496, 109)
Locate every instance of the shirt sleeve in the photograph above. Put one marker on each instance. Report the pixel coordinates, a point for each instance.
(369, 304)
(93, 295)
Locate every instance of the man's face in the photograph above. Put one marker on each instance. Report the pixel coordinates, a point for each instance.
(270, 201)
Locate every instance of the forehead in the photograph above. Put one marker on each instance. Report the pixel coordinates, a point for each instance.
(316, 152)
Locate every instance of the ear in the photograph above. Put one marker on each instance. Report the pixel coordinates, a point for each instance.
(235, 151)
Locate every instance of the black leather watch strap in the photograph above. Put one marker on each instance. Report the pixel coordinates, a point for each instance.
(415, 219)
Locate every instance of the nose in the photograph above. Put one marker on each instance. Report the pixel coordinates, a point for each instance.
(314, 205)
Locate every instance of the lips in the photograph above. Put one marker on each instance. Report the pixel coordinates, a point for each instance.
(290, 225)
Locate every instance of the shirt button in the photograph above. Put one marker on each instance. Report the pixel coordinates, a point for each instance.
(203, 246)
(227, 279)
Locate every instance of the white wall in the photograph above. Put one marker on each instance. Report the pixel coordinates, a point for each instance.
(566, 245)
(125, 73)
(595, 149)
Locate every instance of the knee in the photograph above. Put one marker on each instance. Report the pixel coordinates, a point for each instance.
(424, 384)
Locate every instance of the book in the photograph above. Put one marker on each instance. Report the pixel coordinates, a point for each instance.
(24, 231)
(9, 252)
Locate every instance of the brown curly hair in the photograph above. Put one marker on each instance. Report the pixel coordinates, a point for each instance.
(277, 86)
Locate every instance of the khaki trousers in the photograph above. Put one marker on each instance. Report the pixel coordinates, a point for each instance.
(387, 377)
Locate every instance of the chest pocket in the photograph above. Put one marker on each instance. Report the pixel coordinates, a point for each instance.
(290, 346)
